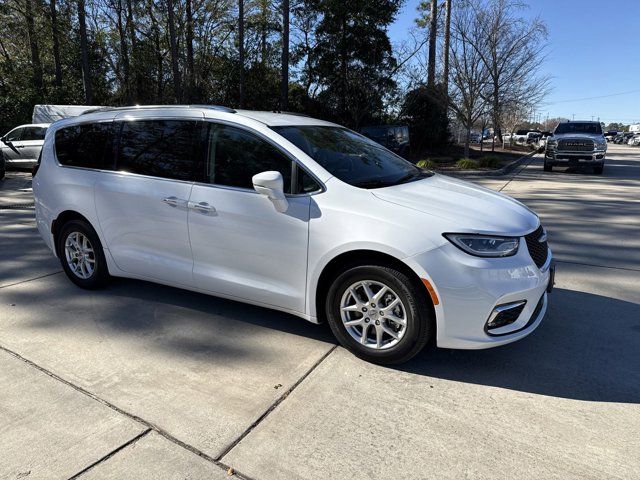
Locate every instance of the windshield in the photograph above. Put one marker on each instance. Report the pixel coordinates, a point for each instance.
(351, 157)
(576, 127)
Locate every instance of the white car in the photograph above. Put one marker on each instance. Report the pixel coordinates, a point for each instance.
(21, 146)
(635, 140)
(294, 214)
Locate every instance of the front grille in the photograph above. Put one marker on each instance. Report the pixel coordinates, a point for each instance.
(575, 145)
(538, 250)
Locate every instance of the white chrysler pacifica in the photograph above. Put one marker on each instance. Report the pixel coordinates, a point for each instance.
(296, 214)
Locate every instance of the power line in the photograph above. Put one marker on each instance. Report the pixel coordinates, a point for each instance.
(594, 98)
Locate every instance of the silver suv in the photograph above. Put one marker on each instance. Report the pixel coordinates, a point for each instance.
(576, 144)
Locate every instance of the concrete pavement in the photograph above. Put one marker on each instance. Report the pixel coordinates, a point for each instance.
(145, 381)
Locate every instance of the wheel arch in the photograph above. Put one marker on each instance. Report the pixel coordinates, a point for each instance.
(64, 217)
(352, 258)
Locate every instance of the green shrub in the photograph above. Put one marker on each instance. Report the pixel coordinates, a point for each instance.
(467, 164)
(489, 162)
(426, 164)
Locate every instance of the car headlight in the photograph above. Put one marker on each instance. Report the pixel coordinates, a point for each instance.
(601, 144)
(484, 245)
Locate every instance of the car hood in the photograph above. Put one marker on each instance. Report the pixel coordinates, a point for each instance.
(463, 206)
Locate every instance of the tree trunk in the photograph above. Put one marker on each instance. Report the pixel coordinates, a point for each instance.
(56, 42)
(263, 32)
(189, 39)
(84, 51)
(343, 70)
(497, 130)
(447, 41)
(433, 32)
(36, 63)
(241, 48)
(136, 86)
(284, 81)
(466, 142)
(173, 42)
(124, 54)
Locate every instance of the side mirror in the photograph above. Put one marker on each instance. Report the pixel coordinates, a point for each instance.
(270, 184)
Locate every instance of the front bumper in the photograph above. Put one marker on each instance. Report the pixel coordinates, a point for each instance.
(470, 288)
(555, 157)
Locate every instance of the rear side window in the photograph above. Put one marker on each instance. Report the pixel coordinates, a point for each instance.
(158, 148)
(87, 145)
(33, 133)
(235, 156)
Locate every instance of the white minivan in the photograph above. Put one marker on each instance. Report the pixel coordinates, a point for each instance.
(295, 214)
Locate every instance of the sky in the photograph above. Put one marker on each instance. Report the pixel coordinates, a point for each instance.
(594, 50)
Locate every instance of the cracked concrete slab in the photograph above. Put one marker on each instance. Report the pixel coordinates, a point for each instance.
(201, 368)
(50, 430)
(155, 457)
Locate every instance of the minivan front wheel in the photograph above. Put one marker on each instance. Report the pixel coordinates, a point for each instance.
(81, 255)
(378, 313)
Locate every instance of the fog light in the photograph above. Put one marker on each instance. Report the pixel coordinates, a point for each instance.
(505, 314)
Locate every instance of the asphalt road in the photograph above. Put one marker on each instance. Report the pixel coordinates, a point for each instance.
(145, 381)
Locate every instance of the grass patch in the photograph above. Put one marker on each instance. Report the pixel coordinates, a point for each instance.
(489, 162)
(426, 164)
(467, 164)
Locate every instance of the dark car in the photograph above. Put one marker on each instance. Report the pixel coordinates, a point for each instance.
(393, 137)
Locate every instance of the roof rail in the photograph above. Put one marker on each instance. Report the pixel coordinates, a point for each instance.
(219, 108)
(291, 113)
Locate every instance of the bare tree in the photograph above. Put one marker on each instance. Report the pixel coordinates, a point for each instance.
(470, 77)
(510, 47)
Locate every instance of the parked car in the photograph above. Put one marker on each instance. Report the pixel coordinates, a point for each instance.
(21, 146)
(475, 137)
(3, 167)
(541, 142)
(393, 137)
(635, 140)
(295, 214)
(577, 144)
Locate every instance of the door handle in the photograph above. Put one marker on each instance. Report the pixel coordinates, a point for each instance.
(174, 201)
(202, 207)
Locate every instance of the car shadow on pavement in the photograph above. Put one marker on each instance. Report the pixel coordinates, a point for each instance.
(585, 349)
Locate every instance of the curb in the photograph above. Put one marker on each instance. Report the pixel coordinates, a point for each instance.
(508, 168)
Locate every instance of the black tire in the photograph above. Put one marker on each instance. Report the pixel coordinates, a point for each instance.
(547, 167)
(418, 315)
(100, 274)
(598, 170)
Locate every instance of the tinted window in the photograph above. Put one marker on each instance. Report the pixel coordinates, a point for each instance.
(351, 157)
(14, 135)
(33, 133)
(235, 155)
(159, 148)
(87, 145)
(579, 127)
(306, 183)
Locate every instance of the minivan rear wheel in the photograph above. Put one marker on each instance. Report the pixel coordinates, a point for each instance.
(81, 255)
(377, 313)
